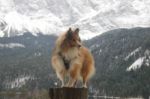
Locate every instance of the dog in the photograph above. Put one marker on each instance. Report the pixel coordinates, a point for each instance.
(71, 58)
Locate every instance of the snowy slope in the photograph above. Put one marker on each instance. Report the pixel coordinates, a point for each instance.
(55, 16)
(132, 53)
(145, 60)
(137, 64)
(18, 82)
(11, 45)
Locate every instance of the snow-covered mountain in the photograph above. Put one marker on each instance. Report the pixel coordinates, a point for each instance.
(93, 17)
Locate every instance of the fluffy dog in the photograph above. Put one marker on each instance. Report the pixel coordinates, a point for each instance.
(71, 58)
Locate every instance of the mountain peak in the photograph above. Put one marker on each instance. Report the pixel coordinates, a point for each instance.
(52, 17)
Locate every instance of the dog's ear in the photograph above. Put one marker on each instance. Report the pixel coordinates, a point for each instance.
(76, 31)
(69, 29)
(69, 34)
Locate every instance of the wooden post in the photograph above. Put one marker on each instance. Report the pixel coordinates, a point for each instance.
(68, 93)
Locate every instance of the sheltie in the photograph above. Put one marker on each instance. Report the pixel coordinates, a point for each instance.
(70, 57)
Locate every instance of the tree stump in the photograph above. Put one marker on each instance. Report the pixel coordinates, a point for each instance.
(68, 93)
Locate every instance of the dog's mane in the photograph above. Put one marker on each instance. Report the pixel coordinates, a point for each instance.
(60, 41)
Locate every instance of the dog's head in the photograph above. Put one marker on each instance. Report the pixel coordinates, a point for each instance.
(72, 38)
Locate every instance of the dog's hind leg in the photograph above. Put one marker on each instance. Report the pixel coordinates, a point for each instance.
(84, 83)
(88, 71)
(85, 78)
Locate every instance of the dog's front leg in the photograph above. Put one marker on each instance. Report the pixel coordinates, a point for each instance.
(74, 72)
(61, 75)
(59, 68)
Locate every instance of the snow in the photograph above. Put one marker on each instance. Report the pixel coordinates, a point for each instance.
(132, 53)
(94, 46)
(31, 24)
(93, 17)
(55, 83)
(37, 54)
(147, 55)
(18, 82)
(100, 51)
(147, 52)
(86, 34)
(116, 57)
(137, 64)
(12, 45)
(1, 33)
(145, 60)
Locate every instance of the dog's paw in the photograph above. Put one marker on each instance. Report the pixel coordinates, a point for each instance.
(84, 86)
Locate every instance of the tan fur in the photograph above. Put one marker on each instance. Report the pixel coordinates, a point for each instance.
(81, 61)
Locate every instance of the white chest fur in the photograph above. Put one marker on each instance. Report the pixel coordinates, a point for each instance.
(71, 53)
